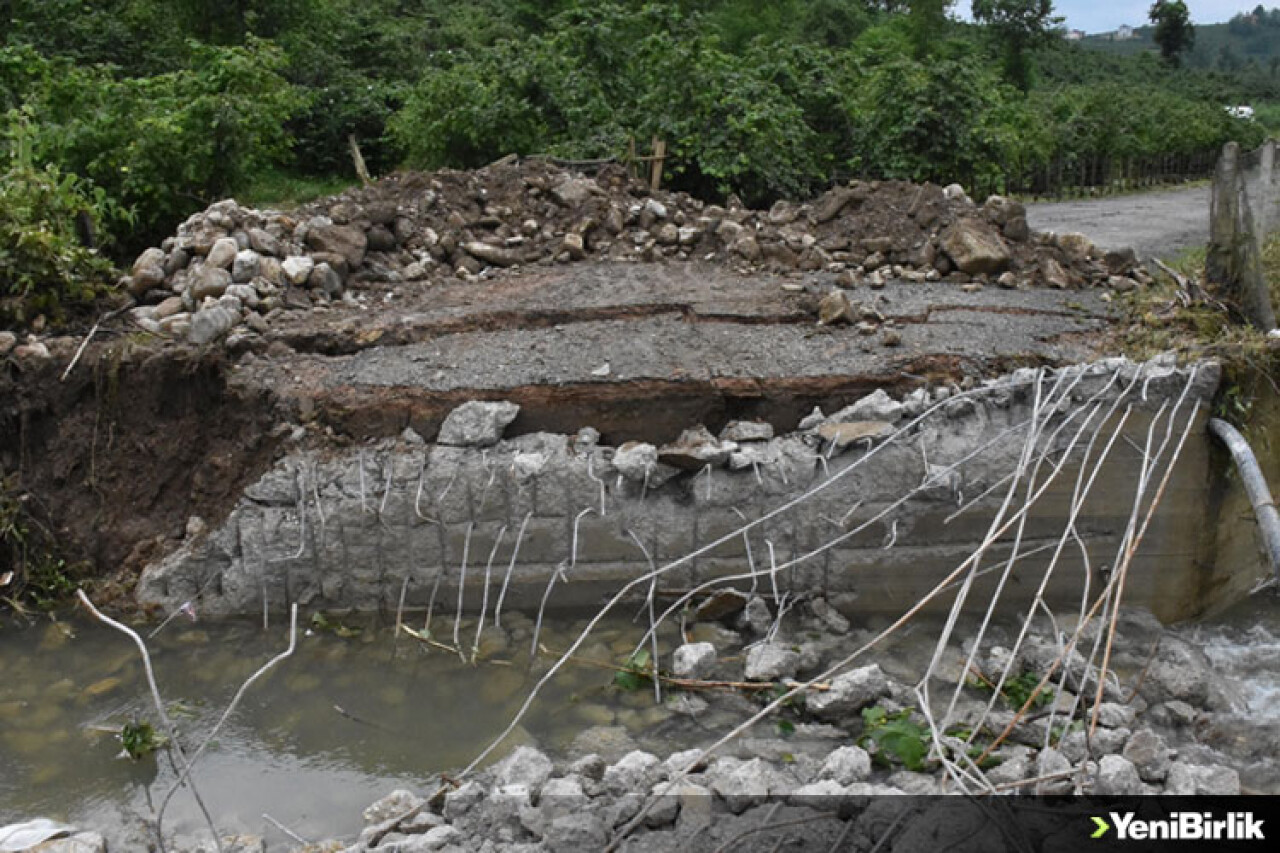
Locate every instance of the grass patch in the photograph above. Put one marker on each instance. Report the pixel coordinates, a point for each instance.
(287, 189)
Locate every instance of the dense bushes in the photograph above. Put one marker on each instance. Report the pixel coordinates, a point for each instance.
(165, 107)
(45, 269)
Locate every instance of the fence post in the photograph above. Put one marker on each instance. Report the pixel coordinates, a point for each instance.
(1234, 257)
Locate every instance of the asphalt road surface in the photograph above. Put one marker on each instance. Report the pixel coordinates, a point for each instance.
(1158, 224)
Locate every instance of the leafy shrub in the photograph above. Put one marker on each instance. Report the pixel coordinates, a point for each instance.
(167, 144)
(44, 268)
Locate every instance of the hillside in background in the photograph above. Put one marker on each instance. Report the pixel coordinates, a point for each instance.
(1249, 42)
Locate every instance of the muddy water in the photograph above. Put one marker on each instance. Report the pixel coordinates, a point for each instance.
(407, 711)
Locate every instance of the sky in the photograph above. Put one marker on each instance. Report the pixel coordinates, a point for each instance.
(1100, 16)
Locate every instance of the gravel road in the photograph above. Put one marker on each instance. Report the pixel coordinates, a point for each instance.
(1158, 224)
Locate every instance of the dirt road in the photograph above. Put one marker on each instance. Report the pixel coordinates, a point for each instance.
(1158, 224)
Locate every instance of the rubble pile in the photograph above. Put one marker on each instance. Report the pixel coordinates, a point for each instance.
(236, 268)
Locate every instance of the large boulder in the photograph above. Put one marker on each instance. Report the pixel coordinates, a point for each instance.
(477, 423)
(975, 247)
(345, 240)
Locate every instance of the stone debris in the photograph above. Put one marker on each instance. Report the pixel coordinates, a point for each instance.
(477, 423)
(414, 229)
(693, 660)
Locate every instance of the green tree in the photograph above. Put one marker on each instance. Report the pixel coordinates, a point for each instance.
(1018, 26)
(927, 24)
(1174, 33)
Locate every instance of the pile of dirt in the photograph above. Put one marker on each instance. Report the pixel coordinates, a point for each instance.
(232, 266)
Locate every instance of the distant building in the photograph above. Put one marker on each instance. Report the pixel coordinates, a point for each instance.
(1124, 33)
(1074, 35)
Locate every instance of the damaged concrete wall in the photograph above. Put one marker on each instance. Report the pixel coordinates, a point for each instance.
(347, 528)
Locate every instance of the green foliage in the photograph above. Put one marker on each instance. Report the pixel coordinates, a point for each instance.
(163, 145)
(44, 268)
(321, 623)
(140, 739)
(1018, 26)
(31, 573)
(895, 737)
(1018, 690)
(636, 673)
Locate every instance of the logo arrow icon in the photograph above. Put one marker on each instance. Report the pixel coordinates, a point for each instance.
(1103, 826)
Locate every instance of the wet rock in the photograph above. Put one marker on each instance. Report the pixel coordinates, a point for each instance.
(849, 693)
(975, 247)
(477, 423)
(1179, 672)
(222, 254)
(846, 765)
(1149, 754)
(1117, 777)
(693, 660)
(771, 662)
(635, 771)
(525, 766)
(1195, 779)
(393, 805)
(636, 460)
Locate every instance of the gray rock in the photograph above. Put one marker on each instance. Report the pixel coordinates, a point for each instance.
(846, 765)
(222, 254)
(876, 406)
(573, 192)
(525, 766)
(463, 799)
(1196, 779)
(576, 832)
(741, 784)
(345, 240)
(561, 797)
(1179, 672)
(92, 842)
(477, 423)
(1113, 715)
(771, 662)
(1011, 770)
(212, 323)
(695, 449)
(1148, 752)
(1117, 777)
(812, 420)
(245, 293)
(1050, 762)
(391, 806)
(245, 266)
(975, 247)
(746, 431)
(265, 243)
(208, 280)
(635, 771)
(176, 260)
(849, 693)
(1076, 746)
(8, 340)
(297, 269)
(636, 460)
(693, 660)
(755, 617)
(325, 279)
